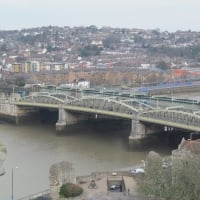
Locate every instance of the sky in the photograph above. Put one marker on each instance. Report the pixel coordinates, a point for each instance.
(166, 15)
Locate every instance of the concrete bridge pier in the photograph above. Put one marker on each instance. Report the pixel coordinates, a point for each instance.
(137, 130)
(66, 118)
(17, 120)
(141, 134)
(16, 111)
(61, 123)
(11, 112)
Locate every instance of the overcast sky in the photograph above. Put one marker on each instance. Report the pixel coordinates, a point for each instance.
(168, 15)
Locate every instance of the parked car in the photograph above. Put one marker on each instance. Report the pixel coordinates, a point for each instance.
(138, 170)
(115, 188)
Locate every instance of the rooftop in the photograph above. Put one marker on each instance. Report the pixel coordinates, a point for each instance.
(191, 145)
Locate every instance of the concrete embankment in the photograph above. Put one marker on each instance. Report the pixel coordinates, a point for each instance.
(14, 114)
(7, 110)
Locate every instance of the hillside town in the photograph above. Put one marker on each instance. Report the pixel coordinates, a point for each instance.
(84, 57)
(59, 50)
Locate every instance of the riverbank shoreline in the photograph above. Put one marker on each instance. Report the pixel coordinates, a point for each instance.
(100, 191)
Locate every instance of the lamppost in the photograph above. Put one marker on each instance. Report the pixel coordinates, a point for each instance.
(13, 181)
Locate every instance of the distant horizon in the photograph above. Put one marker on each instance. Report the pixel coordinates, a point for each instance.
(98, 27)
(171, 15)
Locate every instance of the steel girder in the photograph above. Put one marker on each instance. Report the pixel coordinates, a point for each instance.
(102, 103)
(46, 99)
(173, 118)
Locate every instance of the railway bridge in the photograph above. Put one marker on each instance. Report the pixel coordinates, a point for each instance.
(146, 117)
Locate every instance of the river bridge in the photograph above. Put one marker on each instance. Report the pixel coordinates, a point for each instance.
(147, 114)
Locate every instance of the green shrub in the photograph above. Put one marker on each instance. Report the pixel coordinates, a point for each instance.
(70, 190)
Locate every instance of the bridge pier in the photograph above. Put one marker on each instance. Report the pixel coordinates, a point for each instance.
(137, 130)
(17, 120)
(66, 118)
(60, 125)
(141, 134)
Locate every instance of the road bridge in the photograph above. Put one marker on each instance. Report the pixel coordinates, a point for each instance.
(147, 115)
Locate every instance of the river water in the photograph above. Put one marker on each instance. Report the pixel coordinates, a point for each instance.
(34, 147)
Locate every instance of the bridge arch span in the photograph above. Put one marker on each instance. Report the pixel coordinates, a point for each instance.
(137, 104)
(173, 118)
(105, 104)
(43, 99)
(63, 96)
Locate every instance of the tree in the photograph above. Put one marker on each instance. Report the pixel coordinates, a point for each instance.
(186, 177)
(70, 190)
(3, 47)
(90, 50)
(152, 185)
(111, 40)
(17, 79)
(156, 184)
(162, 65)
(180, 181)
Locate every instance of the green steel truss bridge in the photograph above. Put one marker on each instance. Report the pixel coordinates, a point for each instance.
(157, 111)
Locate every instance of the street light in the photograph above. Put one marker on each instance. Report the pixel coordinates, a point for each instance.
(12, 180)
